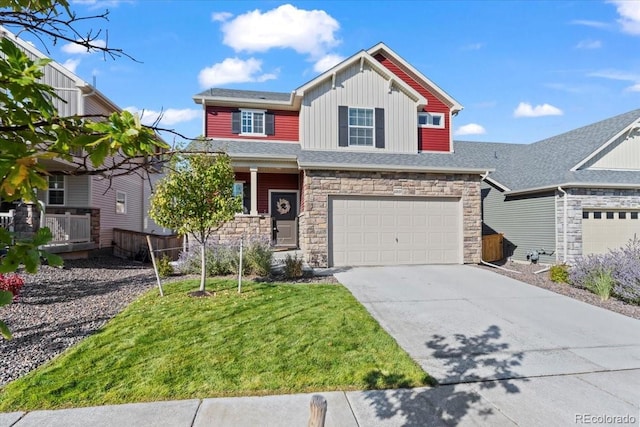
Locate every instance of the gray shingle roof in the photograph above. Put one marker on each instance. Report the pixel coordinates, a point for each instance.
(340, 159)
(245, 94)
(548, 162)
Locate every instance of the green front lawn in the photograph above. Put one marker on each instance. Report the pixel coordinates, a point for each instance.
(271, 339)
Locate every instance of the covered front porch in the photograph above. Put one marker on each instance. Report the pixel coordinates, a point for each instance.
(271, 199)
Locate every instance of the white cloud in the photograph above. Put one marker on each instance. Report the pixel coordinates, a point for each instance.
(76, 49)
(588, 23)
(94, 4)
(629, 12)
(470, 129)
(525, 109)
(634, 88)
(221, 16)
(326, 62)
(170, 116)
(71, 64)
(473, 46)
(233, 70)
(309, 32)
(589, 44)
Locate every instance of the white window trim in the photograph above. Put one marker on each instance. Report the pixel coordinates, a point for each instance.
(373, 128)
(119, 193)
(264, 124)
(428, 113)
(63, 189)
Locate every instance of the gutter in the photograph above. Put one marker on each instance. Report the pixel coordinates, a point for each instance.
(392, 168)
(572, 185)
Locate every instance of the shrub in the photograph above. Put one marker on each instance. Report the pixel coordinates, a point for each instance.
(165, 268)
(623, 265)
(221, 260)
(601, 283)
(11, 283)
(259, 259)
(559, 273)
(292, 267)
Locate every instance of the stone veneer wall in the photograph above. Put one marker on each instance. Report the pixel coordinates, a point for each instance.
(253, 228)
(587, 198)
(319, 185)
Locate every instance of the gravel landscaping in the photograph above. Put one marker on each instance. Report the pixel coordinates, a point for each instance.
(526, 273)
(60, 306)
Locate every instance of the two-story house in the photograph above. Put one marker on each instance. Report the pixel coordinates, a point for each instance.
(355, 167)
(82, 211)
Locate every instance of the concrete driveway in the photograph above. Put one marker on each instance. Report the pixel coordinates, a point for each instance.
(504, 352)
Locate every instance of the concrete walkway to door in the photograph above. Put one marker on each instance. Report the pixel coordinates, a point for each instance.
(504, 352)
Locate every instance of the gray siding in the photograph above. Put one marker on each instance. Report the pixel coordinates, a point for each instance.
(365, 89)
(527, 223)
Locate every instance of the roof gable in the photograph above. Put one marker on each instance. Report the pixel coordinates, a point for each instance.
(363, 58)
(416, 75)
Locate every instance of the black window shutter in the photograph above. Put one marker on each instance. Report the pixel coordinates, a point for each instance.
(235, 122)
(343, 126)
(379, 127)
(269, 124)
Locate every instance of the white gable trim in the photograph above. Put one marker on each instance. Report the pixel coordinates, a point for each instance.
(363, 57)
(627, 129)
(422, 79)
(496, 184)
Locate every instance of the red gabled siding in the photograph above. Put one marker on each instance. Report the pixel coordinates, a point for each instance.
(218, 120)
(429, 139)
(270, 181)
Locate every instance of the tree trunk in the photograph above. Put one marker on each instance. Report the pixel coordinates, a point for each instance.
(203, 267)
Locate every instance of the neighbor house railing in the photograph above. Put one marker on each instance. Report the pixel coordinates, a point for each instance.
(6, 220)
(67, 228)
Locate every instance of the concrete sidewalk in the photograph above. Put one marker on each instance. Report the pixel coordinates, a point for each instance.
(545, 401)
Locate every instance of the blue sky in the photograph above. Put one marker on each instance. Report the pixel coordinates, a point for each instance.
(523, 70)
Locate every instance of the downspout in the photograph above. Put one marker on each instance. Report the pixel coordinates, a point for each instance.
(564, 224)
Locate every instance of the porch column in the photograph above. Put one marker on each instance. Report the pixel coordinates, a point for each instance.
(254, 191)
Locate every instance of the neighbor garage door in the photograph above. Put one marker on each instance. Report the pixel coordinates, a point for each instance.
(394, 230)
(605, 230)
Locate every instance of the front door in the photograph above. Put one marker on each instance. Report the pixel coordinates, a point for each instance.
(284, 211)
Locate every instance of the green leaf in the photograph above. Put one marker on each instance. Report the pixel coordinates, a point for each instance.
(52, 259)
(6, 298)
(4, 331)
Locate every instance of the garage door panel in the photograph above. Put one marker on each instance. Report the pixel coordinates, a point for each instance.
(605, 230)
(394, 230)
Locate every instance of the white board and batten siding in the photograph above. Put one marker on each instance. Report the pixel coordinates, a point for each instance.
(623, 156)
(360, 89)
(371, 230)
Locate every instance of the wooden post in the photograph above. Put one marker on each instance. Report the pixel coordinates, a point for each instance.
(240, 266)
(318, 411)
(155, 268)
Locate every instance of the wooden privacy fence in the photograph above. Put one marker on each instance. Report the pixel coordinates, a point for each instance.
(492, 247)
(133, 245)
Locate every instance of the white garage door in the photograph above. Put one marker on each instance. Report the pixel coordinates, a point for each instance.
(605, 230)
(394, 230)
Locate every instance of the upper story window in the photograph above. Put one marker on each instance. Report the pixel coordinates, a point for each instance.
(431, 120)
(55, 193)
(252, 123)
(360, 127)
(121, 202)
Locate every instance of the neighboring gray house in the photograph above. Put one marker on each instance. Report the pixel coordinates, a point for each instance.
(574, 194)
